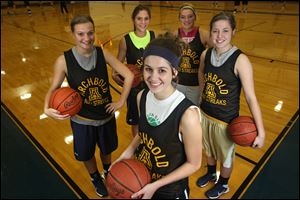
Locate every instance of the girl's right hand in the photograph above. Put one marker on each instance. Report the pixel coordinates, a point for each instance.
(55, 114)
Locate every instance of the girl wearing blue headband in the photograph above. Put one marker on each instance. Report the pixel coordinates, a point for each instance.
(169, 141)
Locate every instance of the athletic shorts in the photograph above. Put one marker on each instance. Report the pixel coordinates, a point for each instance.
(184, 194)
(191, 92)
(216, 142)
(86, 137)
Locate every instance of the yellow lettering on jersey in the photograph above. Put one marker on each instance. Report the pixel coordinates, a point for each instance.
(156, 176)
(155, 151)
(192, 54)
(139, 62)
(217, 81)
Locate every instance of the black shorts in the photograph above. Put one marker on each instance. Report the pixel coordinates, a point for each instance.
(184, 194)
(132, 117)
(86, 137)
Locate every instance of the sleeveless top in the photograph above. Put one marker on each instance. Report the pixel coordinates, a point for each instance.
(134, 55)
(160, 148)
(93, 85)
(188, 70)
(157, 111)
(222, 88)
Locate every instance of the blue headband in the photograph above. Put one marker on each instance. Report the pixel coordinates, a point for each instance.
(164, 53)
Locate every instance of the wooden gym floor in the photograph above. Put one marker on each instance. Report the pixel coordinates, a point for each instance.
(268, 33)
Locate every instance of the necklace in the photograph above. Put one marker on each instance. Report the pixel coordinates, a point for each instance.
(220, 56)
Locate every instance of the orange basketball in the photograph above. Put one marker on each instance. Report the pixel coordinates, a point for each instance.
(66, 100)
(126, 178)
(242, 130)
(137, 74)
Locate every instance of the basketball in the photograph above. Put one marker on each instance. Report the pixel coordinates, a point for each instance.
(126, 178)
(137, 74)
(66, 101)
(242, 130)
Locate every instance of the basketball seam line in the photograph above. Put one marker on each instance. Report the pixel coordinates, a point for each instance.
(120, 182)
(247, 122)
(244, 133)
(75, 106)
(52, 100)
(137, 177)
(65, 99)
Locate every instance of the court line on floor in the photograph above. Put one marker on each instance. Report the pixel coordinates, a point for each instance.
(54, 165)
(261, 163)
(54, 38)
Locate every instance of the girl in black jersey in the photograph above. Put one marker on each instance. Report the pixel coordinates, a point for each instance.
(169, 141)
(131, 48)
(85, 68)
(197, 40)
(224, 70)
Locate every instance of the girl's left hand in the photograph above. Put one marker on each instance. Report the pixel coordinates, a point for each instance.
(258, 142)
(146, 192)
(113, 107)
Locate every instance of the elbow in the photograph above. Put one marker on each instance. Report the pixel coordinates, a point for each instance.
(196, 166)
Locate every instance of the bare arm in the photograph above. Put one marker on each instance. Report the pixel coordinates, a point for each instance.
(128, 78)
(201, 74)
(243, 69)
(122, 50)
(60, 70)
(121, 57)
(192, 138)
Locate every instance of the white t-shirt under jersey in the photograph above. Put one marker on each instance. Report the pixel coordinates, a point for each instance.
(157, 111)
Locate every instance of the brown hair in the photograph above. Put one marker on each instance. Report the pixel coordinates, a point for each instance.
(81, 19)
(224, 16)
(137, 9)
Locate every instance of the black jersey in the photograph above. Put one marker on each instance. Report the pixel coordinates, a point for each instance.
(93, 86)
(188, 70)
(133, 54)
(160, 148)
(222, 88)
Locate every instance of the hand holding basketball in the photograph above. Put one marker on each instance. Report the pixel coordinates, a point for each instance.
(66, 100)
(127, 177)
(242, 130)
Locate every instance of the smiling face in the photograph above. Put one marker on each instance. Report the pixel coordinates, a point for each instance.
(141, 21)
(158, 75)
(222, 34)
(187, 19)
(84, 35)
